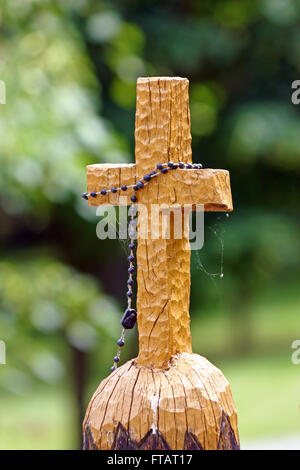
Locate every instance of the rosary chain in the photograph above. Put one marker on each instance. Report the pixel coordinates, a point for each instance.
(129, 318)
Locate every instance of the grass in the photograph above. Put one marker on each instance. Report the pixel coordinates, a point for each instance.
(266, 393)
(265, 384)
(272, 317)
(265, 389)
(40, 420)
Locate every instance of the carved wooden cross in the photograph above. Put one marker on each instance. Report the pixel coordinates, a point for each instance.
(167, 398)
(162, 134)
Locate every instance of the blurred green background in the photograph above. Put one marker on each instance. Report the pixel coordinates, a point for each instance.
(70, 69)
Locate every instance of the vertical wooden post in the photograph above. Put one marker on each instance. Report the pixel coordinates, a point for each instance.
(162, 133)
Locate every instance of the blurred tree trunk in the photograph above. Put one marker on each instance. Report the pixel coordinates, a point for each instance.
(79, 367)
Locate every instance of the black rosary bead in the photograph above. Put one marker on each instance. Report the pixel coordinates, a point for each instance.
(93, 194)
(130, 282)
(113, 368)
(140, 184)
(113, 190)
(120, 343)
(131, 258)
(85, 196)
(133, 198)
(129, 319)
(164, 170)
(124, 187)
(116, 359)
(170, 164)
(131, 246)
(147, 177)
(153, 172)
(181, 165)
(131, 270)
(200, 166)
(159, 166)
(189, 166)
(103, 192)
(175, 166)
(129, 293)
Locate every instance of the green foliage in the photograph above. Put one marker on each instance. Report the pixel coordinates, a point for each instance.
(50, 127)
(46, 306)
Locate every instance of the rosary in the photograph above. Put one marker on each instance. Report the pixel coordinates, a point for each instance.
(130, 315)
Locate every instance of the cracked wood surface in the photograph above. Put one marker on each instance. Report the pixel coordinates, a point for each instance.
(187, 406)
(210, 187)
(166, 396)
(162, 133)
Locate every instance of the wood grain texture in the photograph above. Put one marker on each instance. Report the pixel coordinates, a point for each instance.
(187, 406)
(162, 122)
(167, 398)
(210, 187)
(162, 133)
(163, 298)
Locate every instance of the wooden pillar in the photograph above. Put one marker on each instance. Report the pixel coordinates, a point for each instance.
(162, 133)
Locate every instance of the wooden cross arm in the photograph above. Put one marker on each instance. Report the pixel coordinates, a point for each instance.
(210, 187)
